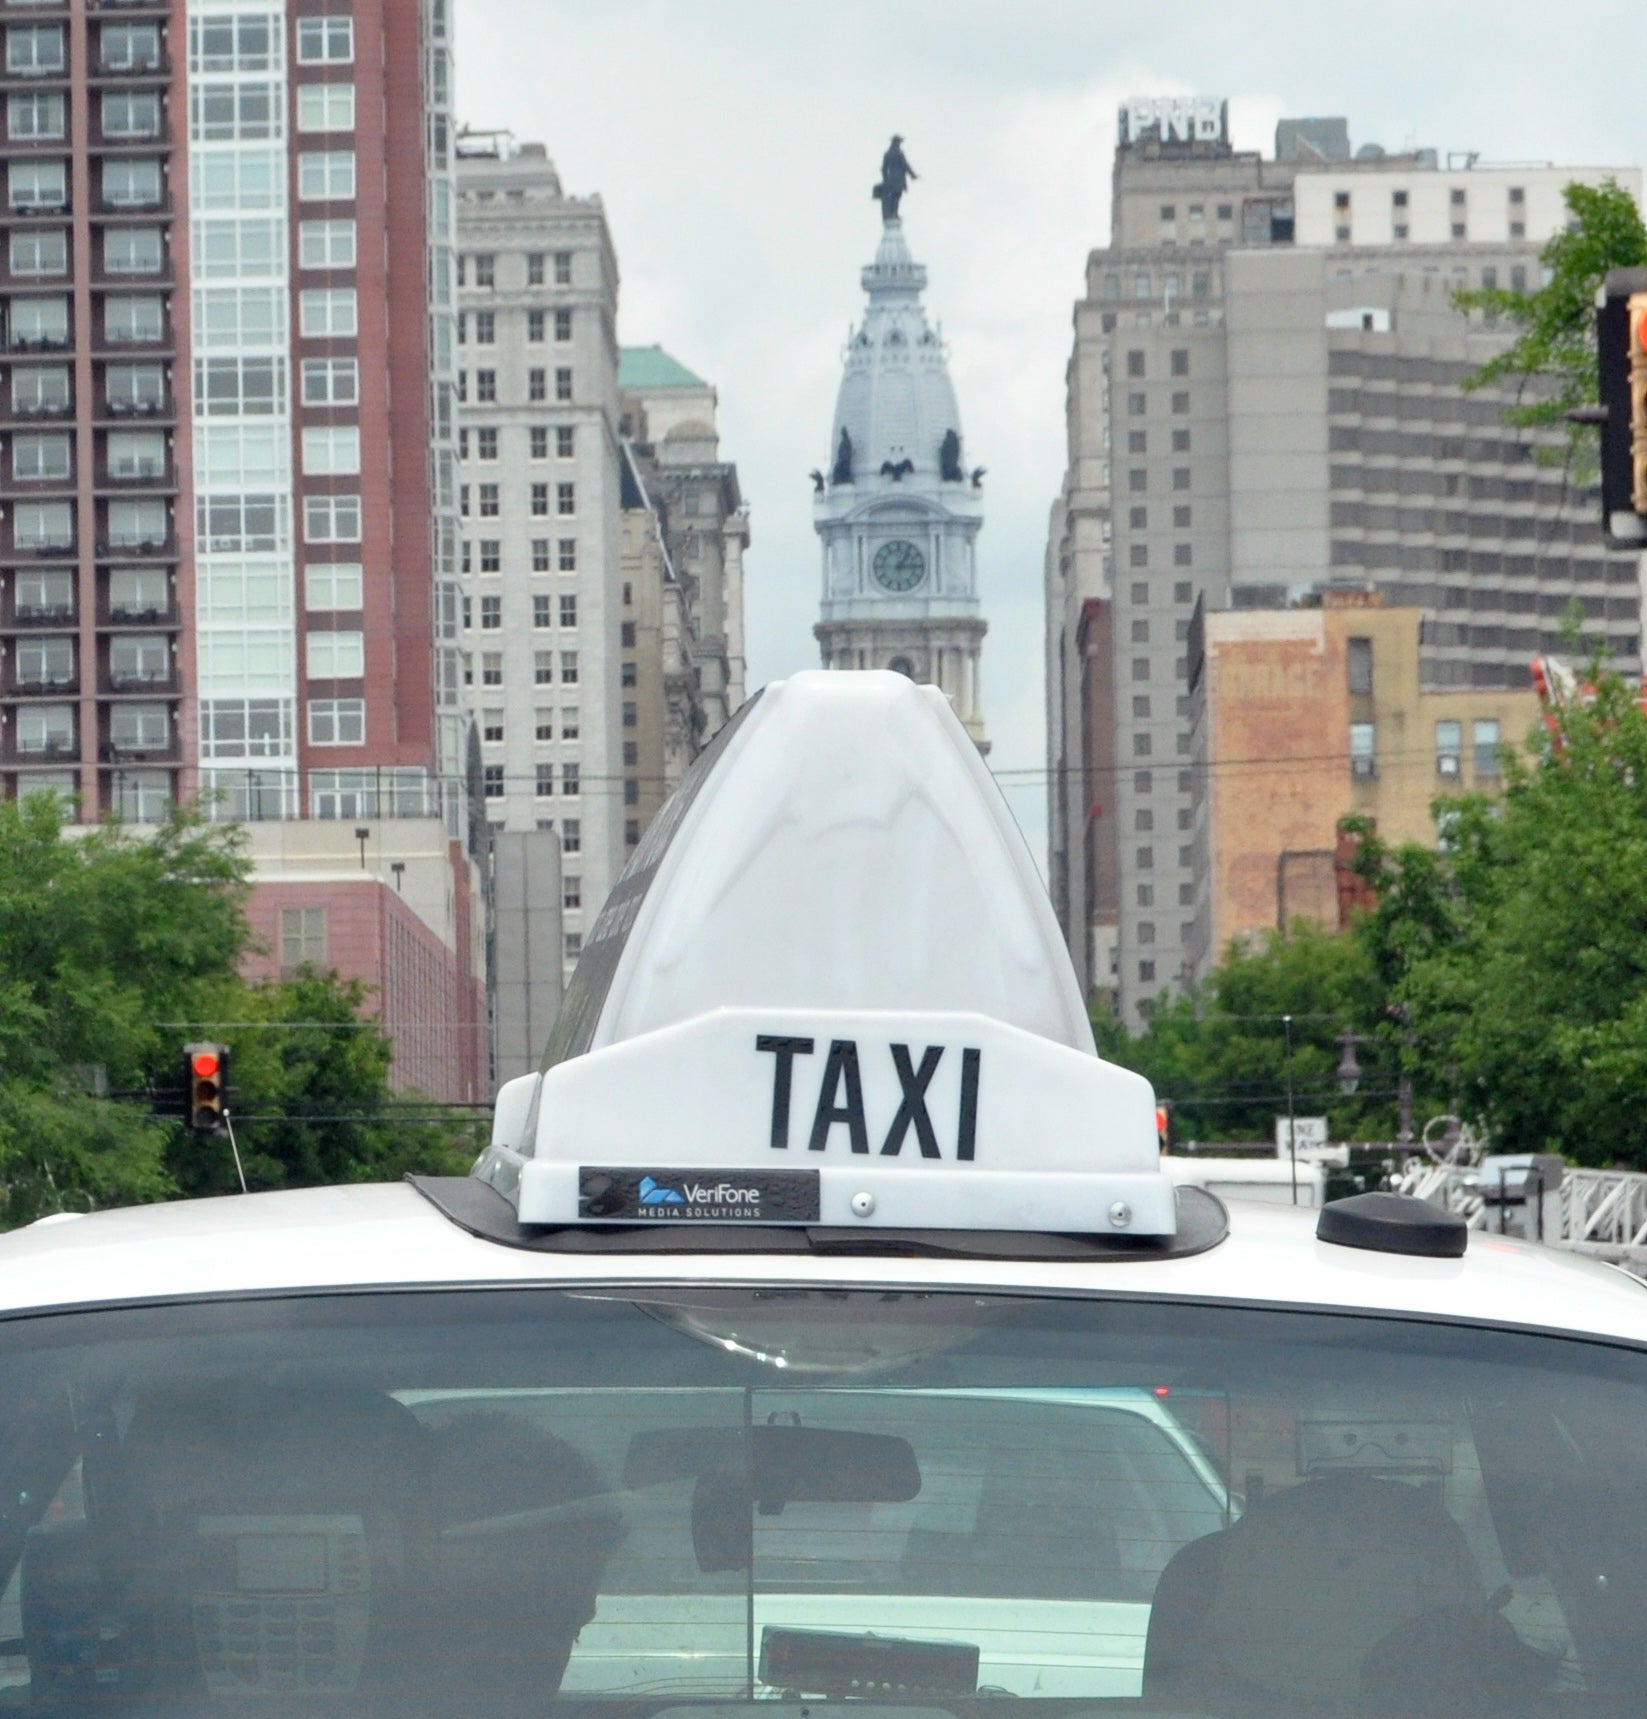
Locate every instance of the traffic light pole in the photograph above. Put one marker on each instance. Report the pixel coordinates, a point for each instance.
(234, 1147)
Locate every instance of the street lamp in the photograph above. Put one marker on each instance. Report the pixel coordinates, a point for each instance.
(1349, 1068)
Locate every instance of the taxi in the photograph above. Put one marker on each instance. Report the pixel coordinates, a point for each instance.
(820, 1326)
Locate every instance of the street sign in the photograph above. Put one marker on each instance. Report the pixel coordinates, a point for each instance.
(1307, 1131)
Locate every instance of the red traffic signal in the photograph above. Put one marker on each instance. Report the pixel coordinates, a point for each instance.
(206, 1088)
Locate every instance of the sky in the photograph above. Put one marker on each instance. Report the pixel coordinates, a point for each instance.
(733, 144)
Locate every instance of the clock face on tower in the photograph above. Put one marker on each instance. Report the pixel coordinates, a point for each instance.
(899, 566)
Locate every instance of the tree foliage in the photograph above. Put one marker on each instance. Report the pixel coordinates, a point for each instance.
(116, 950)
(1552, 360)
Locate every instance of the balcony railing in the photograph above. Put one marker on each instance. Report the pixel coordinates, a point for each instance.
(140, 410)
(130, 615)
(58, 615)
(144, 548)
(26, 686)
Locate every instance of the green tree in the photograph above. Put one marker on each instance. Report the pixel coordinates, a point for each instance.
(104, 938)
(1219, 1052)
(1523, 950)
(1552, 360)
(309, 1078)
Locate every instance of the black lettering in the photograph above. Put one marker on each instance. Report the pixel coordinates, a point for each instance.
(913, 1083)
(966, 1132)
(785, 1050)
(842, 1066)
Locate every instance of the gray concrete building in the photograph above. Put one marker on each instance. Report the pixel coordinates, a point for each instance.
(1265, 399)
(540, 498)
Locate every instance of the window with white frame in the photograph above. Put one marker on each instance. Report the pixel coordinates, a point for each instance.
(43, 525)
(491, 555)
(131, 182)
(331, 450)
(235, 318)
(563, 268)
(491, 668)
(337, 721)
(38, 184)
(35, 50)
(325, 41)
(44, 593)
(238, 246)
(136, 453)
(45, 728)
(35, 114)
(544, 781)
(486, 443)
(566, 498)
(569, 668)
(569, 779)
(250, 387)
(328, 313)
(239, 179)
(39, 456)
(140, 727)
(486, 328)
(542, 610)
(571, 835)
(302, 936)
(38, 389)
(326, 175)
(570, 725)
(491, 614)
(135, 321)
(236, 112)
(566, 555)
(240, 524)
(221, 42)
(138, 524)
(39, 251)
(326, 244)
(325, 107)
(129, 47)
(141, 796)
(132, 251)
(334, 585)
(331, 381)
(336, 655)
(568, 609)
(139, 659)
(543, 668)
(563, 326)
(128, 115)
(38, 322)
(139, 593)
(564, 442)
(331, 519)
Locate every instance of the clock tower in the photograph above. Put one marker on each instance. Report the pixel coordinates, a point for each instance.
(897, 508)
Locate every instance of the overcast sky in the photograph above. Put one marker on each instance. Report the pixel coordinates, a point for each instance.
(734, 143)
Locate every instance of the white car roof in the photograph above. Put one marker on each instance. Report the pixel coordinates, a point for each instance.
(391, 1236)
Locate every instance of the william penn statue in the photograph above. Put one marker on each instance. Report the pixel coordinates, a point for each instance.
(896, 174)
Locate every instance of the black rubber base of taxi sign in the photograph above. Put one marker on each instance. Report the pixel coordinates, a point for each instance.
(480, 1209)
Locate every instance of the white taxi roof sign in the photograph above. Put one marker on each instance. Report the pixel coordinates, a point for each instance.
(829, 989)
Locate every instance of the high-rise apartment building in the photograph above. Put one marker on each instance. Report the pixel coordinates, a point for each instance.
(1266, 399)
(230, 549)
(540, 499)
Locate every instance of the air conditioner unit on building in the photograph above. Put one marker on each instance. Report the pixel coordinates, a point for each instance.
(1363, 768)
(1448, 764)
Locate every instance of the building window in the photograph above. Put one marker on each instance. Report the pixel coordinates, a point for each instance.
(564, 441)
(492, 781)
(491, 555)
(544, 785)
(566, 499)
(491, 614)
(1363, 749)
(629, 675)
(333, 451)
(1180, 361)
(1135, 364)
(35, 50)
(534, 268)
(1180, 441)
(1180, 477)
(1359, 659)
(1449, 750)
(631, 793)
(36, 114)
(540, 441)
(486, 328)
(540, 554)
(486, 269)
(563, 325)
(325, 41)
(1484, 738)
(326, 175)
(566, 554)
(129, 115)
(571, 836)
(563, 268)
(569, 723)
(126, 321)
(325, 107)
(544, 725)
(626, 635)
(331, 381)
(491, 727)
(542, 609)
(574, 945)
(1181, 402)
(331, 519)
(537, 383)
(543, 668)
(42, 251)
(540, 501)
(328, 313)
(1137, 404)
(1181, 555)
(486, 443)
(568, 610)
(336, 655)
(488, 500)
(537, 324)
(569, 668)
(302, 936)
(486, 389)
(1137, 442)
(491, 668)
(334, 585)
(326, 244)
(337, 722)
(37, 185)
(37, 456)
(569, 783)
(563, 385)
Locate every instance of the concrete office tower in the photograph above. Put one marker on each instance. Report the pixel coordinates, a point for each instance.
(1265, 401)
(540, 497)
(897, 508)
(685, 533)
(208, 585)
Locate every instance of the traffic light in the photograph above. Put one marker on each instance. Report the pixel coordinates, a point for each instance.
(206, 1088)
(1621, 345)
(1163, 1125)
